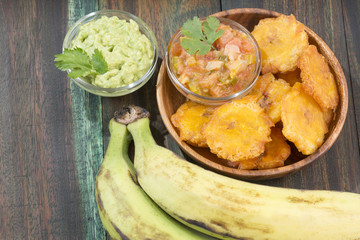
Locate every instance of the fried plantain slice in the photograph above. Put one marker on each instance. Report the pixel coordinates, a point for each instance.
(328, 115)
(189, 119)
(249, 164)
(303, 120)
(273, 95)
(276, 151)
(291, 77)
(261, 84)
(238, 130)
(318, 81)
(281, 41)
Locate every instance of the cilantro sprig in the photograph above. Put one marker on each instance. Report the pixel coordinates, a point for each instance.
(80, 64)
(199, 37)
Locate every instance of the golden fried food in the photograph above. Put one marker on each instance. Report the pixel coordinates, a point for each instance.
(238, 130)
(318, 81)
(249, 163)
(273, 96)
(328, 115)
(291, 77)
(244, 164)
(261, 84)
(276, 151)
(303, 120)
(281, 41)
(189, 119)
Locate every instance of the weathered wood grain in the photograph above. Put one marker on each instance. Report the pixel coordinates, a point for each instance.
(88, 138)
(339, 168)
(352, 34)
(38, 192)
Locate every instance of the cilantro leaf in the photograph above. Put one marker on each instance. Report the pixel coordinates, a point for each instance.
(79, 63)
(200, 37)
(209, 28)
(79, 72)
(98, 62)
(192, 29)
(74, 58)
(193, 45)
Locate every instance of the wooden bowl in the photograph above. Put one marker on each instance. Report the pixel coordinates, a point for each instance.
(169, 99)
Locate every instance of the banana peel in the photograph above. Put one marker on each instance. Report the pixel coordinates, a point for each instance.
(125, 209)
(227, 208)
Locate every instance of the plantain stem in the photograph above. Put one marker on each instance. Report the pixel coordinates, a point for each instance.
(140, 131)
(118, 145)
(127, 115)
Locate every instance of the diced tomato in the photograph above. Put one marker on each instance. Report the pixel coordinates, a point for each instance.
(216, 91)
(176, 49)
(236, 42)
(224, 39)
(201, 63)
(210, 81)
(184, 55)
(246, 46)
(208, 56)
(180, 68)
(190, 70)
(241, 84)
(238, 86)
(214, 65)
(232, 51)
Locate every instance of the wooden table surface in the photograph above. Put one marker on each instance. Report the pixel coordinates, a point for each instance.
(53, 135)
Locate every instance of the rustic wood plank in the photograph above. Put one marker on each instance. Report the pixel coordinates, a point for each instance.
(38, 190)
(164, 18)
(338, 169)
(88, 138)
(352, 31)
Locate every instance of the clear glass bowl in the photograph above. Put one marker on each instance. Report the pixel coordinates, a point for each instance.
(214, 100)
(144, 29)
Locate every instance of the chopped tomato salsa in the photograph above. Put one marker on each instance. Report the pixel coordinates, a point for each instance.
(226, 69)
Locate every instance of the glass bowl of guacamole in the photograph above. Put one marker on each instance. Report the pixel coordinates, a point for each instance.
(127, 45)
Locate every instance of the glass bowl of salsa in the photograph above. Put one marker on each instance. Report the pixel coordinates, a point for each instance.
(228, 71)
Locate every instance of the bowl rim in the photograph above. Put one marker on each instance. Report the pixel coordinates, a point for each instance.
(146, 30)
(215, 100)
(266, 174)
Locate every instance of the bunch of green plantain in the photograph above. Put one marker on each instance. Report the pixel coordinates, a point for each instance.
(164, 197)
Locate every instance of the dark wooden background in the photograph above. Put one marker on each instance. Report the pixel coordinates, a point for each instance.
(53, 135)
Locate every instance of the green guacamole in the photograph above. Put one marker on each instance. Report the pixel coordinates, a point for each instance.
(127, 52)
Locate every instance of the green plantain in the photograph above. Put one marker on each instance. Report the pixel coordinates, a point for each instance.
(125, 209)
(232, 209)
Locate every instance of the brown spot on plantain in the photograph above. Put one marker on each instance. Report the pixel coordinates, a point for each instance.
(202, 225)
(97, 192)
(107, 175)
(240, 223)
(99, 201)
(253, 193)
(100, 170)
(220, 224)
(294, 199)
(122, 235)
(133, 178)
